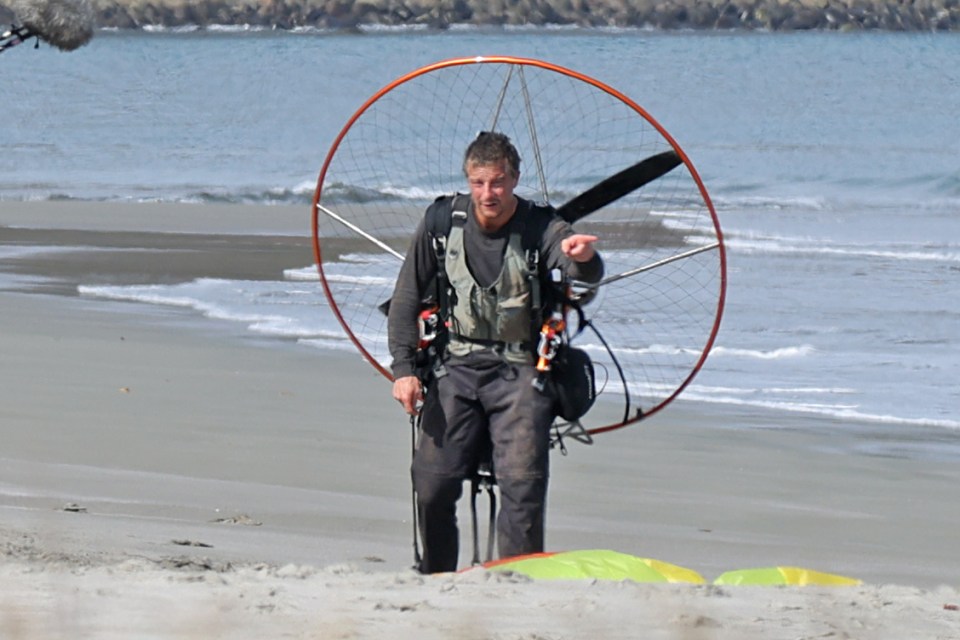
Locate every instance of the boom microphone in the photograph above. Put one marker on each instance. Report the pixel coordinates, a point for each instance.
(66, 24)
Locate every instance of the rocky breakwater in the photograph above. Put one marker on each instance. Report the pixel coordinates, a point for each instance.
(771, 15)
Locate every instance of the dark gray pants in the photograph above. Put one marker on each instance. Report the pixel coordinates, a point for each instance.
(478, 407)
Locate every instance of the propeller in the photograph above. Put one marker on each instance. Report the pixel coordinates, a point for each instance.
(618, 185)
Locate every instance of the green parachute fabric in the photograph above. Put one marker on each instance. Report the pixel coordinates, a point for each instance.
(596, 564)
(794, 576)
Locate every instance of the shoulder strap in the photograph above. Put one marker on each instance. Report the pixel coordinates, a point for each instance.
(440, 218)
(536, 220)
(437, 217)
(440, 215)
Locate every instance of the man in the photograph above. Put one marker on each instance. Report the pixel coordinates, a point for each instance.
(482, 396)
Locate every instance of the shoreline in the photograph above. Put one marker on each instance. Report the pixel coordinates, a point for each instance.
(151, 455)
(102, 244)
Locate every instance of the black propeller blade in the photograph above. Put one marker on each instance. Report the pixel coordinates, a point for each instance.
(619, 185)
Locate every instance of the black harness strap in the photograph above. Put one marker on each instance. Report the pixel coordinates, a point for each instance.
(417, 558)
(483, 480)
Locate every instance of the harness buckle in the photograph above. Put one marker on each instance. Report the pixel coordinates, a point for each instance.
(429, 322)
(551, 337)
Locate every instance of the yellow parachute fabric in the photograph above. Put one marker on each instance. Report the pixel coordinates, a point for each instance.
(601, 564)
(784, 576)
(596, 564)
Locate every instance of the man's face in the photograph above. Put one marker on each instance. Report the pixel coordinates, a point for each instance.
(491, 189)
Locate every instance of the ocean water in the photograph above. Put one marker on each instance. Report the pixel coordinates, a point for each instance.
(833, 161)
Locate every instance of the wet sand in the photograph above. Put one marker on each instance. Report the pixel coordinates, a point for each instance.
(168, 475)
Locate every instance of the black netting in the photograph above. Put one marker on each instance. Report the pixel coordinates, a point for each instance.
(405, 148)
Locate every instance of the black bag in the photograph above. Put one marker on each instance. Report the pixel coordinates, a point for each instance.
(573, 382)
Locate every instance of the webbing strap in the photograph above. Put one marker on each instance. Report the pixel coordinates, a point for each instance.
(482, 481)
(417, 558)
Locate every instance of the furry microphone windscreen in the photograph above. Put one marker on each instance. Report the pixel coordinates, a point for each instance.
(66, 24)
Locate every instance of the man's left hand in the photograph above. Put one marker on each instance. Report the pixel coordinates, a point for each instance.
(579, 247)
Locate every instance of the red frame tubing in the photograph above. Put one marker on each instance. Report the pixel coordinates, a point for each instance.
(318, 254)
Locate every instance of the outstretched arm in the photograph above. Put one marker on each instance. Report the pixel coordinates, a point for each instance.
(579, 247)
(572, 252)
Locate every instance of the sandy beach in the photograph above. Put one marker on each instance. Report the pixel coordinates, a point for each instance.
(164, 475)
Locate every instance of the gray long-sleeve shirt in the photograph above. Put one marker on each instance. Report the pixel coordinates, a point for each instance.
(484, 252)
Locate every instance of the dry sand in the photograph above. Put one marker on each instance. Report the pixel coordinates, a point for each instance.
(164, 475)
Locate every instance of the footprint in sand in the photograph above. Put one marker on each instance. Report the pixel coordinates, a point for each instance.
(239, 519)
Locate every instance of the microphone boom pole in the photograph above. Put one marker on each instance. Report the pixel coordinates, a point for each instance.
(66, 24)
